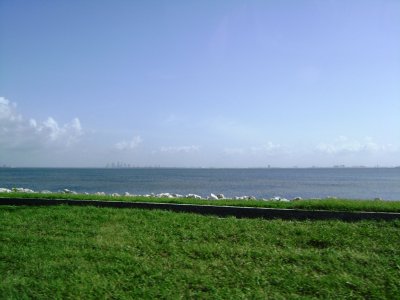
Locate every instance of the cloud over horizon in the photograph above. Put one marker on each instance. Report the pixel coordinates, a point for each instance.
(179, 149)
(53, 144)
(18, 132)
(344, 145)
(130, 144)
(268, 148)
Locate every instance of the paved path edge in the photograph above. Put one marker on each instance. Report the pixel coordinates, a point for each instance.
(221, 211)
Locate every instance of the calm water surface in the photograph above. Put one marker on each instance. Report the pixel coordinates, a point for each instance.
(363, 183)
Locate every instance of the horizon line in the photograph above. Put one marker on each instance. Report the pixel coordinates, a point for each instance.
(208, 167)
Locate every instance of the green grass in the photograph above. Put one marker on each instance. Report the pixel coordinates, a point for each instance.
(65, 252)
(323, 204)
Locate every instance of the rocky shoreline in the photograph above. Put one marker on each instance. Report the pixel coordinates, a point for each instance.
(212, 196)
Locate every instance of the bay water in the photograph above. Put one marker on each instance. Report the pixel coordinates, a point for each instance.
(354, 183)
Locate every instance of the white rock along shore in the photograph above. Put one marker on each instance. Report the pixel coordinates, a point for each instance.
(160, 195)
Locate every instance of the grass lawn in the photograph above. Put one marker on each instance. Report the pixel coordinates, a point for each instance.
(321, 204)
(99, 253)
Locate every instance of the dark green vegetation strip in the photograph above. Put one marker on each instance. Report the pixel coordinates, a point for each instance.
(65, 252)
(222, 211)
(323, 204)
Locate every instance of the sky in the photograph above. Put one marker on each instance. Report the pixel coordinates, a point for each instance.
(200, 83)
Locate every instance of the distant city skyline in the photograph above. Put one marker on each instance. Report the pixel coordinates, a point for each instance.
(200, 84)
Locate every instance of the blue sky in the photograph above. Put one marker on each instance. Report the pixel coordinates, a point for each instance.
(200, 83)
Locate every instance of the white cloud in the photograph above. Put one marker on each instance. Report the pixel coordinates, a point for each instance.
(17, 132)
(8, 111)
(344, 145)
(179, 149)
(129, 145)
(268, 148)
(68, 133)
(265, 149)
